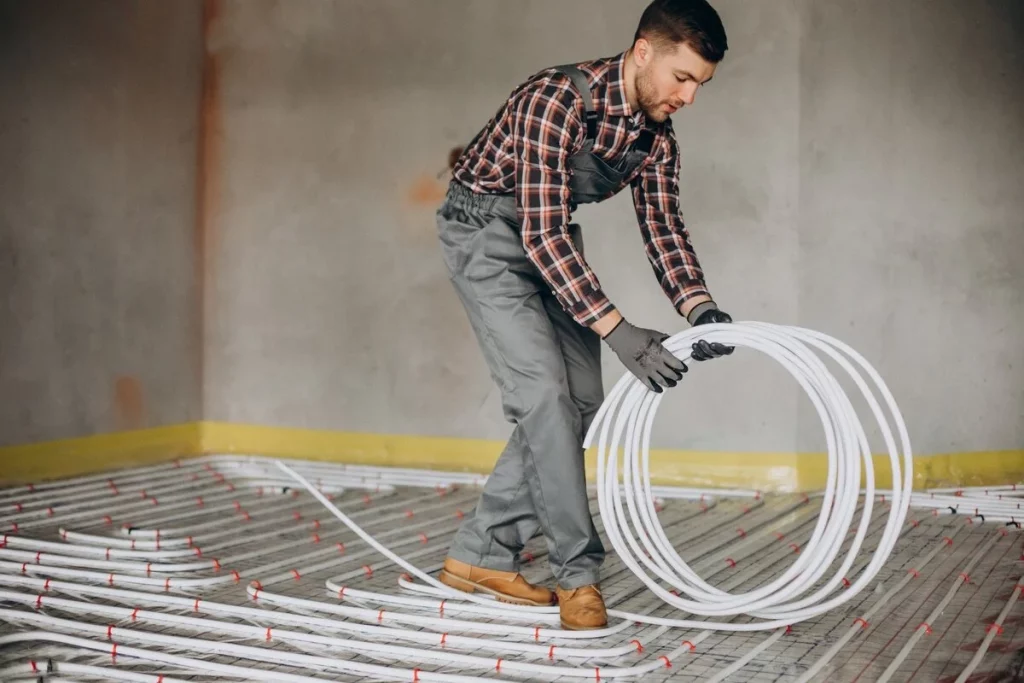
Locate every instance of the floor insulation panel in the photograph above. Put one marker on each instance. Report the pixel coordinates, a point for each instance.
(220, 568)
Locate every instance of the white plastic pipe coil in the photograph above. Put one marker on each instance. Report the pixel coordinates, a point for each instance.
(625, 420)
(623, 425)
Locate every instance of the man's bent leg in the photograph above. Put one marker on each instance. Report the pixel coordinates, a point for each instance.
(503, 520)
(501, 291)
(528, 361)
(508, 518)
(581, 605)
(484, 553)
(581, 351)
(525, 356)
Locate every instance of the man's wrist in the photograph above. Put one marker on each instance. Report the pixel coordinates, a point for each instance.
(700, 309)
(606, 323)
(691, 302)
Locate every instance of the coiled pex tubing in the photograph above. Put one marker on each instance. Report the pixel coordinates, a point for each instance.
(625, 420)
(629, 411)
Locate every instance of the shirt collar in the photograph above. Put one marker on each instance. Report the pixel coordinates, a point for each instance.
(616, 103)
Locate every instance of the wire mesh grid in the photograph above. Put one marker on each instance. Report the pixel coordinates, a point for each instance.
(167, 573)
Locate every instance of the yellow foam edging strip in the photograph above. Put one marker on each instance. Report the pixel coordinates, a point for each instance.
(421, 452)
(97, 453)
(780, 472)
(767, 471)
(980, 468)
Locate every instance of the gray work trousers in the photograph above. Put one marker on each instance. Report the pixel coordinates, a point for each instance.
(548, 369)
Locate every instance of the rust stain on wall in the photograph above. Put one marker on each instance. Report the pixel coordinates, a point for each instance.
(426, 190)
(208, 186)
(129, 406)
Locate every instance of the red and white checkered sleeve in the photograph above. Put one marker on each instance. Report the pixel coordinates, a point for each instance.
(666, 239)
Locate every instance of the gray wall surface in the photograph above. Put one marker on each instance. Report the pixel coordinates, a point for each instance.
(98, 287)
(855, 169)
(911, 215)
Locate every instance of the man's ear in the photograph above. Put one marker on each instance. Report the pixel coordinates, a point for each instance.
(643, 51)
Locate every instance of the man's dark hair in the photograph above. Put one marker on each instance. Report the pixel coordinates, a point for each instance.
(693, 22)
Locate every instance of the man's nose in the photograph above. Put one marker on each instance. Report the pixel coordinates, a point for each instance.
(689, 92)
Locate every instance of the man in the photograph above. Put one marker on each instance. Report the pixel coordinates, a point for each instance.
(569, 135)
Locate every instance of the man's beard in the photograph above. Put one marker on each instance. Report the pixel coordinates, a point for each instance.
(647, 98)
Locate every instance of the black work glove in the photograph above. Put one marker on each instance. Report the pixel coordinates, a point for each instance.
(704, 314)
(643, 354)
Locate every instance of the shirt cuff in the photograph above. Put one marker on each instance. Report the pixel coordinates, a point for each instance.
(589, 311)
(687, 291)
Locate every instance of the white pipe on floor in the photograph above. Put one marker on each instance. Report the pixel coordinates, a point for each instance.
(278, 616)
(138, 474)
(609, 672)
(212, 647)
(748, 656)
(991, 631)
(926, 626)
(985, 506)
(888, 600)
(109, 501)
(627, 510)
(449, 625)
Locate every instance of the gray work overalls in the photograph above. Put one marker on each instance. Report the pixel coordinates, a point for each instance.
(547, 366)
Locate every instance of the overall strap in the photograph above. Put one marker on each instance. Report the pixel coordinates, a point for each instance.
(645, 143)
(580, 81)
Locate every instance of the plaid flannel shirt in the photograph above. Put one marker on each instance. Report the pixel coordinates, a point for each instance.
(525, 149)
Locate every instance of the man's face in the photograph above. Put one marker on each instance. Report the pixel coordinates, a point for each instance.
(667, 79)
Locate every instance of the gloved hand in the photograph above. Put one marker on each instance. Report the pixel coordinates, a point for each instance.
(643, 354)
(704, 314)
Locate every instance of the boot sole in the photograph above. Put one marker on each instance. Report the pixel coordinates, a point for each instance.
(568, 627)
(467, 586)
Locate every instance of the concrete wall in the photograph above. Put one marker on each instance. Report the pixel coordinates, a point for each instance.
(911, 215)
(854, 169)
(331, 306)
(98, 287)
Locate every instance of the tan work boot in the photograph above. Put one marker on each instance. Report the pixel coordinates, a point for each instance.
(582, 608)
(505, 586)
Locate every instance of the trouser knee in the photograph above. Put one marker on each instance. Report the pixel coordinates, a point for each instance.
(549, 401)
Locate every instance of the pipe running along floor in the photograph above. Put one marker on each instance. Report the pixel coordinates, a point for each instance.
(219, 568)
